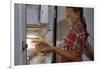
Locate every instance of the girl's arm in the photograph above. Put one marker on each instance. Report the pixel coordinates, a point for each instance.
(69, 54)
(64, 53)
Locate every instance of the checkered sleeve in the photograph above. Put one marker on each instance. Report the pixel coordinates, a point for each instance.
(75, 36)
(71, 39)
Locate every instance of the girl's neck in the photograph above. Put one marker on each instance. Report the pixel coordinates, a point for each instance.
(77, 22)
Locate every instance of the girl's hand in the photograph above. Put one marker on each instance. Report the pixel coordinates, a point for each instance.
(48, 49)
(44, 47)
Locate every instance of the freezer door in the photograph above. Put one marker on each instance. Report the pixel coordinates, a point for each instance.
(20, 51)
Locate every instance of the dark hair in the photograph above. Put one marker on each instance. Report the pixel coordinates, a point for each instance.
(82, 19)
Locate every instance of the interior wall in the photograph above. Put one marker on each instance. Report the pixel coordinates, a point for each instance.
(89, 17)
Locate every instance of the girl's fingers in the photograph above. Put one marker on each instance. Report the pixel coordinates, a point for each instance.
(46, 50)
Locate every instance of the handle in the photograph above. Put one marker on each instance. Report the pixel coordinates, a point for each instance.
(24, 45)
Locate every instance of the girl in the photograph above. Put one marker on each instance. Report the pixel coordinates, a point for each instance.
(75, 41)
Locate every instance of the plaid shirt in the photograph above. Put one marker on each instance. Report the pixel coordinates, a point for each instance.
(75, 39)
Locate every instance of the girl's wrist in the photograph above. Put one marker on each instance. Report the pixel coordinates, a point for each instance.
(54, 49)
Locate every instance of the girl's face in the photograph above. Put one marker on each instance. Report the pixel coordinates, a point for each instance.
(71, 16)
